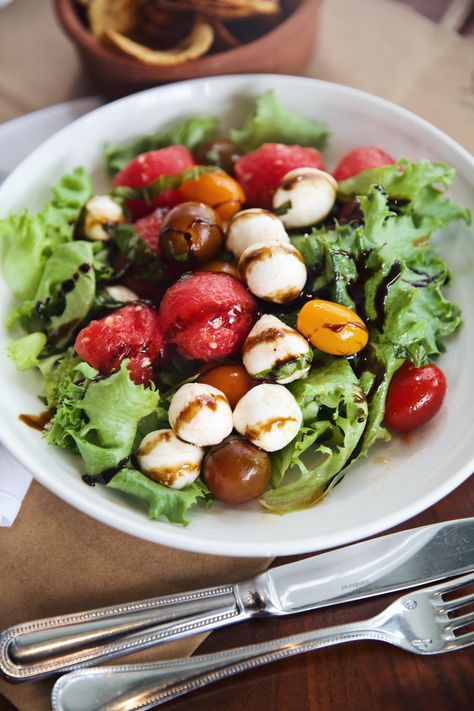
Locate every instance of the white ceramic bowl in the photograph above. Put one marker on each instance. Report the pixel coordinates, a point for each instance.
(399, 479)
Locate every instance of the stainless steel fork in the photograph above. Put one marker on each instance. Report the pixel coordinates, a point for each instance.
(421, 622)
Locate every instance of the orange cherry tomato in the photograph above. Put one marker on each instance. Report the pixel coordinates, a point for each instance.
(331, 327)
(232, 379)
(219, 265)
(218, 190)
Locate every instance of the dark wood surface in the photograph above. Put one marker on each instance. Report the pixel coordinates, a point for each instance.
(362, 676)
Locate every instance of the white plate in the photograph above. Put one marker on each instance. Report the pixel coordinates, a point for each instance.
(22, 135)
(398, 480)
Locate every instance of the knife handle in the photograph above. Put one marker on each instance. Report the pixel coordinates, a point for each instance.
(42, 647)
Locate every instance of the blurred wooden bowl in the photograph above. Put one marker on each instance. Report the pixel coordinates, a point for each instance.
(285, 49)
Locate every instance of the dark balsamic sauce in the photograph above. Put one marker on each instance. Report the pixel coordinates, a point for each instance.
(382, 293)
(37, 422)
(356, 287)
(105, 476)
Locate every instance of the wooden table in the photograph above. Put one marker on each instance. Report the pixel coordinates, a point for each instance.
(362, 676)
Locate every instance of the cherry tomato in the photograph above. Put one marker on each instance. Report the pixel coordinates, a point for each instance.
(414, 396)
(145, 168)
(219, 265)
(191, 232)
(218, 190)
(236, 471)
(360, 159)
(221, 152)
(331, 327)
(232, 379)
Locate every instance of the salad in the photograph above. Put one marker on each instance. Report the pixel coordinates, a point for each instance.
(232, 321)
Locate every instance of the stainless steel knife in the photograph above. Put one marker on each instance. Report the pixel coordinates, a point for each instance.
(385, 564)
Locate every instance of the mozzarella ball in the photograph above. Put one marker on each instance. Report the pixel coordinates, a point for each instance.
(121, 293)
(269, 416)
(200, 414)
(312, 194)
(273, 271)
(168, 460)
(101, 211)
(254, 225)
(272, 347)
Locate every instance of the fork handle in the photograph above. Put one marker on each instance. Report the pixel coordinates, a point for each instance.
(145, 686)
(35, 649)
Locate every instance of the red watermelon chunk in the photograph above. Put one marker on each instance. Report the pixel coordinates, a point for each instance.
(260, 171)
(145, 168)
(149, 227)
(360, 159)
(207, 316)
(131, 332)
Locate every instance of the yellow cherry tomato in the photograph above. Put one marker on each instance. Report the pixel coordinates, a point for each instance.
(332, 328)
(218, 190)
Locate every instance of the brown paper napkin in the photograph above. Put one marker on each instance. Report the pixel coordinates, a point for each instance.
(56, 560)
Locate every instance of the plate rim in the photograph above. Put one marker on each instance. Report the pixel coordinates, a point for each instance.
(166, 534)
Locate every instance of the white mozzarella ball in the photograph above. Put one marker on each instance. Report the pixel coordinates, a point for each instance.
(168, 460)
(200, 414)
(273, 271)
(100, 211)
(268, 416)
(121, 293)
(271, 347)
(254, 225)
(311, 194)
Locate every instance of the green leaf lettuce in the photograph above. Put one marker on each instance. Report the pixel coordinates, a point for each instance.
(190, 133)
(161, 501)
(273, 123)
(99, 417)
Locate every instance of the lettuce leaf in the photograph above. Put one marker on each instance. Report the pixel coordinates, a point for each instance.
(58, 372)
(423, 185)
(99, 417)
(389, 274)
(26, 240)
(64, 295)
(273, 123)
(190, 133)
(161, 501)
(334, 418)
(25, 351)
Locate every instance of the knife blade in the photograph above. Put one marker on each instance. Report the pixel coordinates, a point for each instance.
(392, 562)
(374, 567)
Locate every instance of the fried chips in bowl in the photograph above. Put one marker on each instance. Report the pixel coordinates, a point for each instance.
(129, 45)
(165, 33)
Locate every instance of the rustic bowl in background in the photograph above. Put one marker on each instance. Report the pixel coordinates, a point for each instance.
(286, 49)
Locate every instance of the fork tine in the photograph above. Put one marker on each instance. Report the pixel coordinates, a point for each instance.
(451, 605)
(451, 585)
(457, 622)
(461, 641)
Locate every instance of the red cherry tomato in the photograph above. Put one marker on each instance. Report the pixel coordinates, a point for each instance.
(147, 167)
(414, 396)
(360, 159)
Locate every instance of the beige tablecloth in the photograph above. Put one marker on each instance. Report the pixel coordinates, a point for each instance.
(54, 559)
